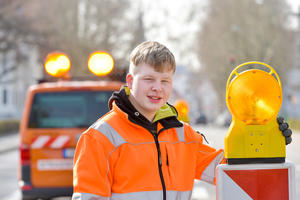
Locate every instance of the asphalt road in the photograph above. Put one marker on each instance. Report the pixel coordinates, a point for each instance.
(202, 191)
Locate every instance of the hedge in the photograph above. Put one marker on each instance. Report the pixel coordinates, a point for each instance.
(294, 124)
(9, 126)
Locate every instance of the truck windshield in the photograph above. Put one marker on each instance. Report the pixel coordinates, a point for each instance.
(68, 109)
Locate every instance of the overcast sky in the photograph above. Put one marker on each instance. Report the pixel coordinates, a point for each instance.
(295, 4)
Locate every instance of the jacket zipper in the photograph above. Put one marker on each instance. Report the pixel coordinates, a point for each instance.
(160, 163)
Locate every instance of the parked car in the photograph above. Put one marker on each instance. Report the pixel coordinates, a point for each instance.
(224, 119)
(201, 119)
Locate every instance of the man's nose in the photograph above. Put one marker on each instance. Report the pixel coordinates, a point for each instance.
(157, 86)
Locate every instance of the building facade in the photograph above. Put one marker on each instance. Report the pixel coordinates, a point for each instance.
(15, 78)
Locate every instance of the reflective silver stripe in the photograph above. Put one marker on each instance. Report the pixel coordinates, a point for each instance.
(180, 134)
(208, 174)
(150, 195)
(88, 196)
(114, 137)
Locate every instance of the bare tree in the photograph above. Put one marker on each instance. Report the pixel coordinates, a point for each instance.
(237, 31)
(15, 31)
(80, 27)
(76, 27)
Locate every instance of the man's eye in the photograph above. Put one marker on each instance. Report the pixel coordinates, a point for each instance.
(165, 81)
(148, 79)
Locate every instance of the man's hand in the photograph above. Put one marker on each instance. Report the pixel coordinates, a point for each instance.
(284, 128)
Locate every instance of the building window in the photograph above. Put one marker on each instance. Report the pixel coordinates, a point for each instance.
(4, 100)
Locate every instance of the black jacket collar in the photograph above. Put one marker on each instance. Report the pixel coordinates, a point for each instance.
(122, 101)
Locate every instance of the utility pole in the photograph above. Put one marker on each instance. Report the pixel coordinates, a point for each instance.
(297, 57)
(295, 83)
(291, 107)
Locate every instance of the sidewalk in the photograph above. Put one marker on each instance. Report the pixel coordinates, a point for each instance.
(9, 142)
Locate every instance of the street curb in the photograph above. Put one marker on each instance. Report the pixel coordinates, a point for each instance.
(9, 142)
(5, 150)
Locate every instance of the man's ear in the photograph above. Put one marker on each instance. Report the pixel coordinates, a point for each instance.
(129, 80)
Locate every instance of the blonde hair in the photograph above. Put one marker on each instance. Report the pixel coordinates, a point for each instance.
(154, 54)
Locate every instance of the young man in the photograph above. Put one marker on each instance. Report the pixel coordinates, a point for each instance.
(139, 150)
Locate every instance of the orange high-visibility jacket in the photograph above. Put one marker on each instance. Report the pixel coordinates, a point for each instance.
(119, 160)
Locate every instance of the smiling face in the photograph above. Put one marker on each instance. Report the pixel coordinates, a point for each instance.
(149, 89)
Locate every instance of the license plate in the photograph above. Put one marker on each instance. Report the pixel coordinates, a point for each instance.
(68, 153)
(54, 164)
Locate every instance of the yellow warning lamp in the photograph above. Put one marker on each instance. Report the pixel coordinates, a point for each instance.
(182, 108)
(100, 63)
(254, 99)
(57, 64)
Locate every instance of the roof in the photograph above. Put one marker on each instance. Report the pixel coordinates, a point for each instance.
(76, 85)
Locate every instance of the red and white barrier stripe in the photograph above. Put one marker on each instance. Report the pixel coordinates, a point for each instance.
(256, 182)
(46, 141)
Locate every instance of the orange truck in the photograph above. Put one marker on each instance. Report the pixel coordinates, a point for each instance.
(55, 114)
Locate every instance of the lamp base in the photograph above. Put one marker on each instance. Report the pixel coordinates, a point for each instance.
(233, 161)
